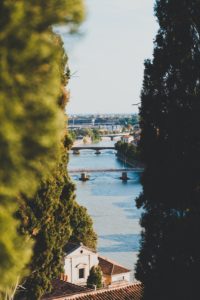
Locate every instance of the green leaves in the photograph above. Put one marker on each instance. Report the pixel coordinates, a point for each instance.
(12, 254)
(95, 277)
(31, 112)
(82, 227)
(170, 144)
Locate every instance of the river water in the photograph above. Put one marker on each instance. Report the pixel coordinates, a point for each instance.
(110, 203)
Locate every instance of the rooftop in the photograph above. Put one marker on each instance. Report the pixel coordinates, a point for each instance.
(66, 291)
(128, 292)
(110, 267)
(62, 288)
(70, 247)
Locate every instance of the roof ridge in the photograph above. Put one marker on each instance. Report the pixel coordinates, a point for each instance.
(112, 262)
(76, 246)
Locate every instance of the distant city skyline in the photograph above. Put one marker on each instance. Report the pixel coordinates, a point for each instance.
(107, 57)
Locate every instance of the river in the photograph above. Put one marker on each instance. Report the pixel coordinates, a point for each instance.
(110, 203)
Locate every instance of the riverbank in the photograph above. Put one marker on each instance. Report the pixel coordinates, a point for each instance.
(128, 154)
(134, 163)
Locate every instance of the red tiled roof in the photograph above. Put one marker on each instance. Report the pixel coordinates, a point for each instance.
(110, 267)
(129, 292)
(126, 136)
(62, 288)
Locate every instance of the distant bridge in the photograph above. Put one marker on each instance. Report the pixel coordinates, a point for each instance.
(136, 169)
(113, 135)
(92, 125)
(78, 148)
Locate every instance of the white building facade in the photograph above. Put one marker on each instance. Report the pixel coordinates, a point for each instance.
(77, 263)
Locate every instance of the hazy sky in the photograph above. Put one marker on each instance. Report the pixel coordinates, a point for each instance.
(107, 58)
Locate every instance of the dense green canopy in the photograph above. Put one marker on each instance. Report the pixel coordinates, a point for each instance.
(169, 260)
(46, 218)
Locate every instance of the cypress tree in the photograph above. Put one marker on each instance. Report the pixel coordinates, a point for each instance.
(46, 218)
(95, 277)
(82, 227)
(52, 218)
(169, 258)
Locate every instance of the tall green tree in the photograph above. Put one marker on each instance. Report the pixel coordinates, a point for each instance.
(32, 122)
(169, 258)
(95, 277)
(46, 218)
(52, 218)
(82, 227)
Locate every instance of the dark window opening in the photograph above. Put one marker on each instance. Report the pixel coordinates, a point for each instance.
(81, 273)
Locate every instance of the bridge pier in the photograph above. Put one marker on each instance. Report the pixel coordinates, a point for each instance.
(84, 177)
(76, 152)
(97, 151)
(124, 176)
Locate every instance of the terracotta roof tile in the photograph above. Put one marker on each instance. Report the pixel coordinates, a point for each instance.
(62, 288)
(110, 267)
(130, 292)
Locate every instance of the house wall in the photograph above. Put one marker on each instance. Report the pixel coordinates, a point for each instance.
(120, 277)
(79, 259)
(107, 280)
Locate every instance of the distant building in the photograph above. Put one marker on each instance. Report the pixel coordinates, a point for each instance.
(137, 136)
(79, 260)
(127, 139)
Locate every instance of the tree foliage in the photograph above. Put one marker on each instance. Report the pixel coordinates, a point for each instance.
(32, 122)
(46, 218)
(169, 258)
(95, 277)
(93, 133)
(127, 152)
(52, 218)
(82, 227)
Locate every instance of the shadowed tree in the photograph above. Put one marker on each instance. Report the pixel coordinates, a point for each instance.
(169, 258)
(95, 277)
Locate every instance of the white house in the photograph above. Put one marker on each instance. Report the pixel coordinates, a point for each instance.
(78, 261)
(127, 138)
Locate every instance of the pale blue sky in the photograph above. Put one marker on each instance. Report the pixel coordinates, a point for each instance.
(108, 56)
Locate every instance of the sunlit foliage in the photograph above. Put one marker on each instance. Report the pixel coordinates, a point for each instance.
(32, 122)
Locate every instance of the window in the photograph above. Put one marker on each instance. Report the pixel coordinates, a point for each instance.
(81, 273)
